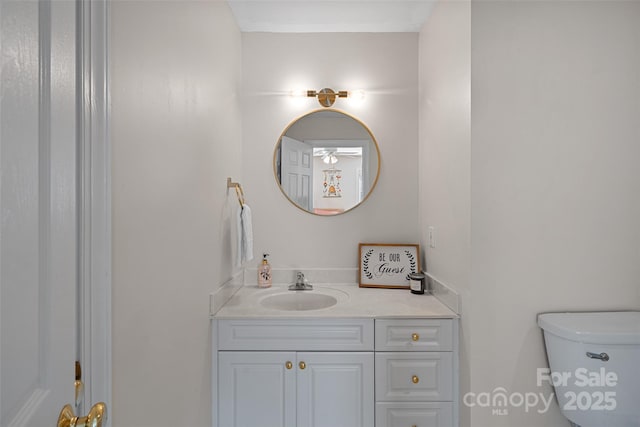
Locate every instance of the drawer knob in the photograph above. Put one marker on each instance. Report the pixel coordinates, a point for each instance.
(415, 337)
(288, 365)
(415, 379)
(302, 365)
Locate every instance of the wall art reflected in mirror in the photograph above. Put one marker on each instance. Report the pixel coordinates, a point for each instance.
(326, 162)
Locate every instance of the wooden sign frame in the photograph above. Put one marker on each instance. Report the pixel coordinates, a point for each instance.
(388, 266)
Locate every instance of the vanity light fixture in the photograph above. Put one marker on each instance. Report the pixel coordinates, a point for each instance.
(327, 97)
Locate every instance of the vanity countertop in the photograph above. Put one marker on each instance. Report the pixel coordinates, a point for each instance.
(353, 301)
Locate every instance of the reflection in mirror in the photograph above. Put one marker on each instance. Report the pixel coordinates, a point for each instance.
(326, 162)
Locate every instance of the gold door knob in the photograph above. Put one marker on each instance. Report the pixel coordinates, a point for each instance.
(96, 416)
(302, 365)
(415, 337)
(288, 365)
(415, 379)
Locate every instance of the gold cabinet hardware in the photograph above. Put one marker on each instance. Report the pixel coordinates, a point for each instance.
(415, 337)
(97, 415)
(302, 365)
(288, 365)
(415, 379)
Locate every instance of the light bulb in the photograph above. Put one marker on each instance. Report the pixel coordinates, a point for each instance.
(298, 93)
(356, 95)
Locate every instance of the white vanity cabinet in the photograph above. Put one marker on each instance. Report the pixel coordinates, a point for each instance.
(329, 372)
(292, 389)
(265, 378)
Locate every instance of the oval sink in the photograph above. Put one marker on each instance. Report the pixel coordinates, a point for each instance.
(299, 301)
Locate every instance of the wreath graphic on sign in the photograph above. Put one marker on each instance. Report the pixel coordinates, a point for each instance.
(365, 263)
(412, 262)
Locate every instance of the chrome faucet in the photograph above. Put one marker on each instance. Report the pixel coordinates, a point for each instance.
(301, 283)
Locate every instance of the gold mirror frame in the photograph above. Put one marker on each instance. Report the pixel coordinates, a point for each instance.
(373, 142)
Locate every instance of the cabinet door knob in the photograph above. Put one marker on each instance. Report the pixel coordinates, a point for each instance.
(415, 379)
(415, 337)
(302, 365)
(288, 365)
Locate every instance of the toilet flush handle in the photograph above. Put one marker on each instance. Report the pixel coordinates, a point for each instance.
(602, 356)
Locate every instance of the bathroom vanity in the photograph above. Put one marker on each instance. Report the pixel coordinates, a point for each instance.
(376, 357)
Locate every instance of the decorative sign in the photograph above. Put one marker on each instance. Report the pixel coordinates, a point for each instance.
(388, 265)
(331, 183)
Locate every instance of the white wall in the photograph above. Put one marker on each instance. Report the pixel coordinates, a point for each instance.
(552, 205)
(555, 180)
(385, 66)
(175, 71)
(444, 153)
(555, 187)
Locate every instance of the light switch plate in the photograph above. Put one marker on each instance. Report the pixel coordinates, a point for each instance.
(432, 237)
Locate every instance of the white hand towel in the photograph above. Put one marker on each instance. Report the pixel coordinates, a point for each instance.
(245, 236)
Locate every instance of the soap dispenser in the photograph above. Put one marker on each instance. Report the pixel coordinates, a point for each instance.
(264, 273)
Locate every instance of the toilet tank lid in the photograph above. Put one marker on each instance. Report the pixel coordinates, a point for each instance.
(617, 327)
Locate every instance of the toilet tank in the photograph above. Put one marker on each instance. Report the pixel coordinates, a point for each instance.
(595, 366)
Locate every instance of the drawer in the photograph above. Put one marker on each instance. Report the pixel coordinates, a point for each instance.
(414, 376)
(296, 334)
(404, 414)
(414, 335)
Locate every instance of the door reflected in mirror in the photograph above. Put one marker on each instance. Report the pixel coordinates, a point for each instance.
(326, 162)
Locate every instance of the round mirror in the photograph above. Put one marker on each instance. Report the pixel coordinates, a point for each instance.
(326, 162)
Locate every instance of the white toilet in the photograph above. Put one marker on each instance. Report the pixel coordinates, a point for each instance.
(595, 366)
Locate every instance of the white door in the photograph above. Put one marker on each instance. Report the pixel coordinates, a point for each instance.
(336, 390)
(38, 205)
(297, 171)
(257, 389)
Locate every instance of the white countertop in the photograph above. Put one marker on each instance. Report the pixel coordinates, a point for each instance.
(353, 301)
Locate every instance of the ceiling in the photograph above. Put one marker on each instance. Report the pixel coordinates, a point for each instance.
(320, 16)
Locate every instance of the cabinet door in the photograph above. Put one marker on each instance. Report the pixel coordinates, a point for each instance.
(335, 390)
(257, 389)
